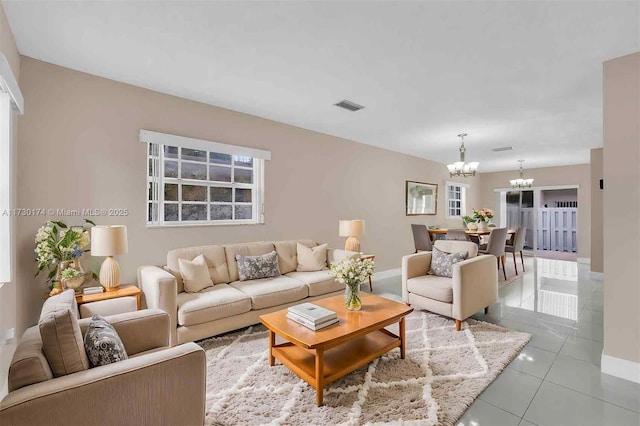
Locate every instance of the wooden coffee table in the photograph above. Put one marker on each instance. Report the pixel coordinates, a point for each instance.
(321, 357)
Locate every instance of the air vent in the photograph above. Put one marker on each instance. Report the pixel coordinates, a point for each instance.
(351, 106)
(504, 148)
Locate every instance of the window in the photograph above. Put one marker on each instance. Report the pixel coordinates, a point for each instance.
(456, 194)
(199, 182)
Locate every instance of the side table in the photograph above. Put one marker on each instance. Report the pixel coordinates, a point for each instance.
(126, 290)
(364, 256)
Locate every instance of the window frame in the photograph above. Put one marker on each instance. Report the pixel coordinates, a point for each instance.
(463, 199)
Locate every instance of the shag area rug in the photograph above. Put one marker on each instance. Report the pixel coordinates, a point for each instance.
(442, 374)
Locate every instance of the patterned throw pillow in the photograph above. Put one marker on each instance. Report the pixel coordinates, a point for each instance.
(102, 343)
(255, 267)
(442, 262)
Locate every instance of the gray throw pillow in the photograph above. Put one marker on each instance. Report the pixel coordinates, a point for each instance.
(102, 343)
(442, 262)
(255, 267)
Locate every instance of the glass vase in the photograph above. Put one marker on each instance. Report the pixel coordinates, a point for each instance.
(352, 300)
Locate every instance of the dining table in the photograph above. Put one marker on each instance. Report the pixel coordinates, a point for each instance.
(435, 233)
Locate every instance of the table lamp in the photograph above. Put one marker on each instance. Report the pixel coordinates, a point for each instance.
(351, 229)
(109, 241)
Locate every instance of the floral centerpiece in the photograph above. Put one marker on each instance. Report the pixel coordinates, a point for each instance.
(58, 250)
(483, 216)
(352, 272)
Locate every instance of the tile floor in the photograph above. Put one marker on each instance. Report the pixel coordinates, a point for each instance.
(556, 378)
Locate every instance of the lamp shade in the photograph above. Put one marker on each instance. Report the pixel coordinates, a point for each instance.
(109, 240)
(351, 228)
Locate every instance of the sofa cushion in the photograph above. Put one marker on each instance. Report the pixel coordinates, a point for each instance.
(319, 282)
(288, 254)
(245, 249)
(195, 274)
(29, 364)
(219, 301)
(61, 337)
(442, 262)
(432, 287)
(268, 292)
(256, 267)
(311, 259)
(102, 343)
(213, 255)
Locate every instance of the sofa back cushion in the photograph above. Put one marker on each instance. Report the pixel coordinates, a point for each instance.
(29, 365)
(311, 259)
(214, 256)
(195, 274)
(288, 254)
(61, 337)
(244, 249)
(453, 246)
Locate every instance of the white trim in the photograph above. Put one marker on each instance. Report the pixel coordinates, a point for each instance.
(584, 260)
(619, 367)
(6, 168)
(596, 276)
(463, 198)
(388, 273)
(540, 188)
(9, 84)
(184, 142)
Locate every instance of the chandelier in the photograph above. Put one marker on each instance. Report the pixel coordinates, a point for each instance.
(462, 168)
(521, 182)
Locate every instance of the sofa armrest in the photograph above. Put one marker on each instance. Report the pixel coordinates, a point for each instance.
(139, 330)
(414, 265)
(475, 285)
(165, 387)
(160, 291)
(336, 255)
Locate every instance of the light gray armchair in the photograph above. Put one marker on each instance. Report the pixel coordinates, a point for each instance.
(473, 285)
(156, 385)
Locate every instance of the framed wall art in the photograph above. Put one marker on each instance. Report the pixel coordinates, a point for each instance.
(421, 198)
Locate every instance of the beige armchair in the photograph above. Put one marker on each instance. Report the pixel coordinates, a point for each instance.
(156, 385)
(473, 285)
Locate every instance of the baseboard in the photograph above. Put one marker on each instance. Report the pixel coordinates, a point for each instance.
(381, 275)
(597, 276)
(621, 368)
(585, 260)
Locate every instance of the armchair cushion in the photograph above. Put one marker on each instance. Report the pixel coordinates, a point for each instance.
(61, 336)
(442, 263)
(102, 343)
(432, 287)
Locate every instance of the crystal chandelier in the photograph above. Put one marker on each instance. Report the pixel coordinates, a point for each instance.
(462, 168)
(521, 182)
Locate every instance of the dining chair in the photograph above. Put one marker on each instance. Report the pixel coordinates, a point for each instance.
(518, 246)
(421, 239)
(457, 235)
(496, 247)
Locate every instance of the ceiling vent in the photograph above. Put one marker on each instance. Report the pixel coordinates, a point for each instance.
(504, 148)
(351, 106)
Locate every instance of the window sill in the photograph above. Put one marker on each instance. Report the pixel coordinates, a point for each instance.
(197, 225)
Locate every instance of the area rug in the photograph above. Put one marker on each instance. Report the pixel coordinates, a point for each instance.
(442, 374)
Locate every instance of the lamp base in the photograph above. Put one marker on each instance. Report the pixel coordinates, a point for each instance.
(110, 274)
(352, 244)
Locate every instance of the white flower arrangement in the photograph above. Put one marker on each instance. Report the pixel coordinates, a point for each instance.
(353, 272)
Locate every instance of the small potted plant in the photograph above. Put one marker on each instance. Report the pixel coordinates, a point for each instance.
(469, 222)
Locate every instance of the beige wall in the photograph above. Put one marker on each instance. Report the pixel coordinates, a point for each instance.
(10, 292)
(621, 207)
(597, 231)
(549, 176)
(79, 149)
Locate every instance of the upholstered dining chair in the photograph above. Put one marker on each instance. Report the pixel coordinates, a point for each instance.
(518, 246)
(496, 246)
(421, 239)
(457, 235)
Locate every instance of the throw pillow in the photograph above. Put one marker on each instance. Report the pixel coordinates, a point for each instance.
(195, 274)
(442, 262)
(102, 343)
(311, 259)
(255, 267)
(61, 335)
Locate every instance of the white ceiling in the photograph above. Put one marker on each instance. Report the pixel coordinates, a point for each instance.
(521, 74)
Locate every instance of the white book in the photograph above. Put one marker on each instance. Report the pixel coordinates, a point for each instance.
(302, 321)
(92, 290)
(313, 313)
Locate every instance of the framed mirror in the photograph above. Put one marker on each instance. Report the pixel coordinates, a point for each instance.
(421, 198)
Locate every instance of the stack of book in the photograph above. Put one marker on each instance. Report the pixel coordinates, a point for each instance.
(92, 290)
(312, 316)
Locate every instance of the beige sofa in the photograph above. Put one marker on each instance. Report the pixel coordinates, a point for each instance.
(156, 385)
(473, 285)
(231, 304)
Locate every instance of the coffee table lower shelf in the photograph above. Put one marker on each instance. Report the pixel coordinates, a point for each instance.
(321, 366)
